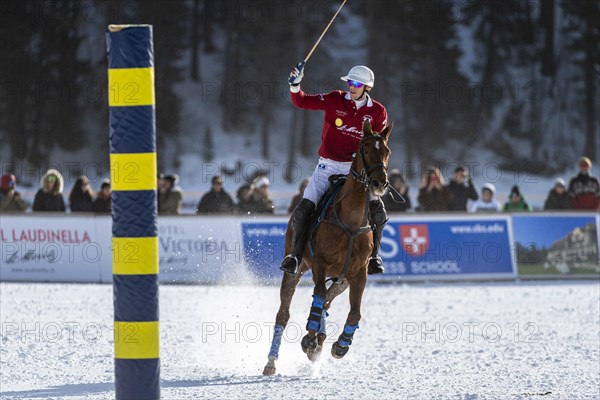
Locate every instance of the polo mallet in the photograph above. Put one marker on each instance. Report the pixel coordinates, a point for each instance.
(300, 65)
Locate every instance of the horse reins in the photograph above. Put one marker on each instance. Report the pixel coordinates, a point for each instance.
(364, 179)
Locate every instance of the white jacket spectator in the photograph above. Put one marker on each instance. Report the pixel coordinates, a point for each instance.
(486, 202)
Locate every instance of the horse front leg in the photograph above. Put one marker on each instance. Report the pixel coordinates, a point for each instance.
(342, 345)
(286, 293)
(332, 292)
(309, 342)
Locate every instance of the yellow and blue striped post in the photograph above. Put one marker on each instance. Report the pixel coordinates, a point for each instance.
(135, 230)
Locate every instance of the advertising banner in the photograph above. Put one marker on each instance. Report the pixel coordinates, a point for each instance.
(263, 247)
(556, 244)
(446, 246)
(196, 250)
(426, 248)
(224, 249)
(47, 248)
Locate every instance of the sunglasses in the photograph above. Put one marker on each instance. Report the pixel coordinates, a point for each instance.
(355, 84)
(52, 178)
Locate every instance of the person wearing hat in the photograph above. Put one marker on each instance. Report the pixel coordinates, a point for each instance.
(342, 132)
(49, 197)
(103, 202)
(558, 198)
(217, 200)
(244, 206)
(516, 201)
(487, 202)
(261, 198)
(584, 189)
(170, 197)
(10, 199)
(461, 192)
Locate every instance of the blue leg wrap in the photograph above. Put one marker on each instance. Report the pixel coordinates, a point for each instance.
(316, 312)
(345, 338)
(277, 334)
(323, 326)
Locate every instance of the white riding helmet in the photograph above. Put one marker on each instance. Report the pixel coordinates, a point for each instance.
(361, 74)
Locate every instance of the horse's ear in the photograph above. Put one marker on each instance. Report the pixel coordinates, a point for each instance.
(386, 132)
(367, 129)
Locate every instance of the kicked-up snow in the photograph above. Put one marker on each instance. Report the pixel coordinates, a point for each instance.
(463, 341)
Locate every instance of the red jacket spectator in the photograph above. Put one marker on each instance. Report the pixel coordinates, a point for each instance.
(584, 189)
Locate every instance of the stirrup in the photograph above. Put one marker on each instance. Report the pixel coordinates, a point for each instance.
(375, 266)
(290, 264)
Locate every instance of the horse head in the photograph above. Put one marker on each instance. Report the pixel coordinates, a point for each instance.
(371, 162)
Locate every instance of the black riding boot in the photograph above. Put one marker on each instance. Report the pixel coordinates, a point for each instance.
(378, 219)
(300, 220)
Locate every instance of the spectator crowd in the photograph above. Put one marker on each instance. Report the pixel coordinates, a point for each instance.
(459, 194)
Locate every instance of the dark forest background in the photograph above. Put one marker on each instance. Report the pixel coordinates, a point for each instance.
(517, 78)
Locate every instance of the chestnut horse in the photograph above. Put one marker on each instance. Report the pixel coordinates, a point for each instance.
(343, 246)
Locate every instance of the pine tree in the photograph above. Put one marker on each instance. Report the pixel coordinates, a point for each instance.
(208, 149)
(42, 40)
(423, 65)
(583, 47)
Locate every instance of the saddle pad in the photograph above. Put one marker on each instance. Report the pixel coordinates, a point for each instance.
(336, 182)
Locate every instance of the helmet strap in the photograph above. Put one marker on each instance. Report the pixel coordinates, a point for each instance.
(364, 93)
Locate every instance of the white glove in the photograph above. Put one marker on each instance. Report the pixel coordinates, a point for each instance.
(296, 75)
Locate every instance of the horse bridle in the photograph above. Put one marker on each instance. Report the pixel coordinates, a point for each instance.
(365, 176)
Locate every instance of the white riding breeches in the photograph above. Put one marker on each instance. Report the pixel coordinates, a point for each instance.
(319, 181)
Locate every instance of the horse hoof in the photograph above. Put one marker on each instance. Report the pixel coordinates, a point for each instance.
(269, 368)
(321, 339)
(309, 345)
(338, 351)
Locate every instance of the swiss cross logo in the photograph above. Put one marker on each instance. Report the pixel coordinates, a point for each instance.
(414, 239)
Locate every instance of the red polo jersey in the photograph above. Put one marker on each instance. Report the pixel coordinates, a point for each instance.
(342, 127)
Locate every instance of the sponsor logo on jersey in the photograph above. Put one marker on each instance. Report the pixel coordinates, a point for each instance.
(338, 122)
(353, 131)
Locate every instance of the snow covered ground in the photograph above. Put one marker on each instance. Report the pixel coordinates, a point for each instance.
(471, 341)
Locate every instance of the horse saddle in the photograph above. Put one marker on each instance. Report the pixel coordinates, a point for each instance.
(335, 185)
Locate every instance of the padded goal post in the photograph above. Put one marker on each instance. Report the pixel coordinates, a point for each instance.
(131, 102)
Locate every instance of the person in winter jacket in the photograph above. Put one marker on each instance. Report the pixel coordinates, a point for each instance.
(103, 202)
(558, 198)
(217, 200)
(486, 202)
(398, 182)
(342, 132)
(170, 197)
(10, 199)
(49, 197)
(516, 201)
(81, 197)
(261, 198)
(244, 206)
(584, 189)
(433, 196)
(460, 192)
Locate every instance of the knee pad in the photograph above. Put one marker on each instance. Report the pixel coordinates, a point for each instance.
(303, 211)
